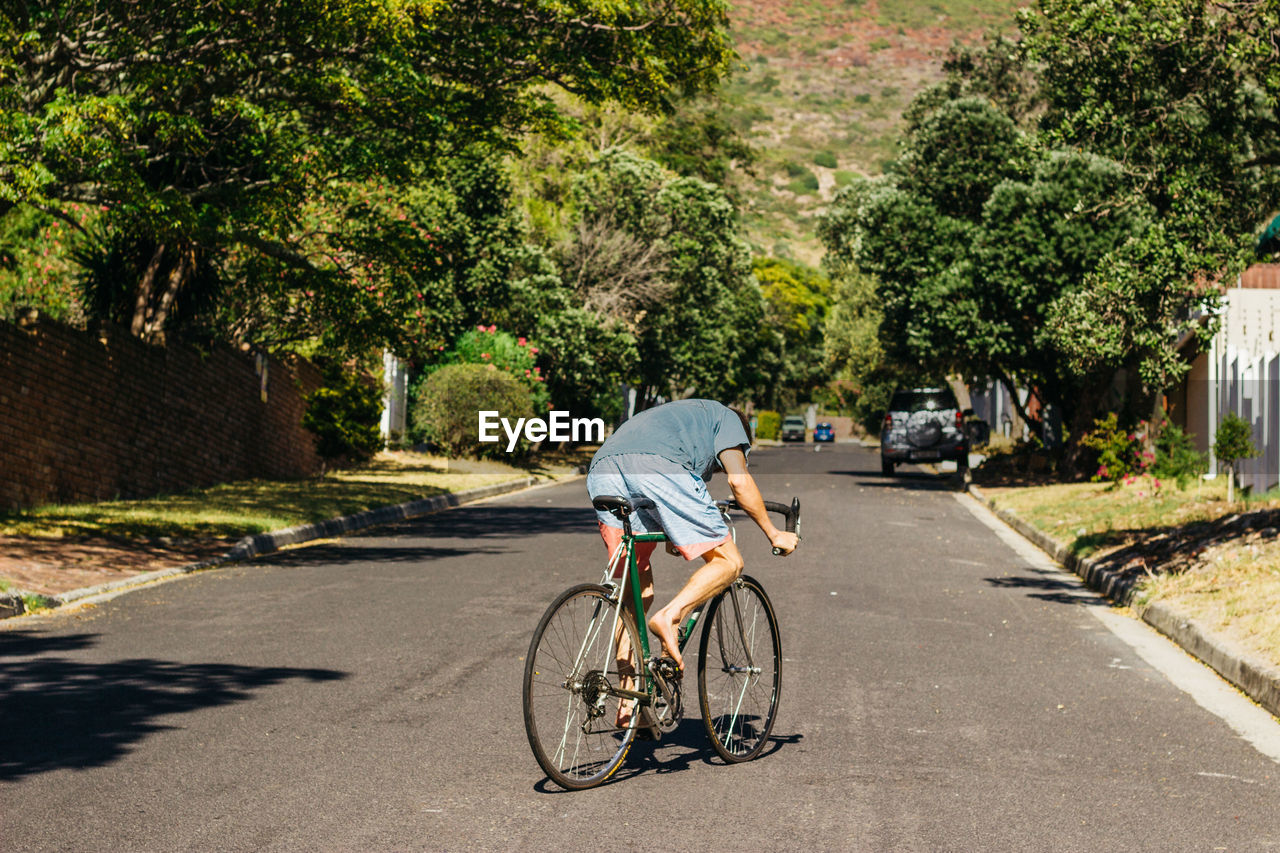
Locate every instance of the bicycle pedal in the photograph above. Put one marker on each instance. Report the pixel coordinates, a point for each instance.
(667, 668)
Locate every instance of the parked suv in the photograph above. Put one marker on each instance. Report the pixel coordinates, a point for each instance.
(923, 424)
(793, 428)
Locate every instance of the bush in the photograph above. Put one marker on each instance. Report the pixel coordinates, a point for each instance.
(825, 159)
(447, 409)
(345, 415)
(486, 345)
(768, 425)
(1176, 457)
(1120, 452)
(1233, 442)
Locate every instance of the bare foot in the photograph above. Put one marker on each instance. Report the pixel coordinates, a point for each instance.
(627, 707)
(669, 632)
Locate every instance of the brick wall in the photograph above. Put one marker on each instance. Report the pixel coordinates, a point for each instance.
(95, 415)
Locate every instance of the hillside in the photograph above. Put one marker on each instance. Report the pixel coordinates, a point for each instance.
(821, 91)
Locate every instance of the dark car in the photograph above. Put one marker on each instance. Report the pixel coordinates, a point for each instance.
(793, 428)
(923, 424)
(824, 432)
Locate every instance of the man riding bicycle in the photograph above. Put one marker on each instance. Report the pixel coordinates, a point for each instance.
(667, 454)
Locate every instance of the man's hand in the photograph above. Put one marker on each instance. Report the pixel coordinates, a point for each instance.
(785, 542)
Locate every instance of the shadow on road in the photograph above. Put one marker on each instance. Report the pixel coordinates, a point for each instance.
(678, 750)
(57, 713)
(352, 551)
(491, 521)
(1050, 588)
(920, 481)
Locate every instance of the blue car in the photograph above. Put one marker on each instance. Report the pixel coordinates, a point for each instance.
(824, 432)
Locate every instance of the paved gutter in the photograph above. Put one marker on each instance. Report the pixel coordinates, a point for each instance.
(1256, 677)
(11, 603)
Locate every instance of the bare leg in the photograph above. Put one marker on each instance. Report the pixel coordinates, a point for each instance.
(723, 565)
(627, 677)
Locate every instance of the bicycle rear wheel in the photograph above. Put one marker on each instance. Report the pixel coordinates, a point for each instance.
(571, 709)
(739, 670)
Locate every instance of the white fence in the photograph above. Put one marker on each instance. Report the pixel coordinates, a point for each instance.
(1249, 387)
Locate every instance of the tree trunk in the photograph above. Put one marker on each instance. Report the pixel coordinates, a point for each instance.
(142, 302)
(1032, 423)
(1081, 422)
(177, 278)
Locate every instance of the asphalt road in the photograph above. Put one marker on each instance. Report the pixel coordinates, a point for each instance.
(939, 693)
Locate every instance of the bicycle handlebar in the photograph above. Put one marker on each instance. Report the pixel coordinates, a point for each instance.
(790, 513)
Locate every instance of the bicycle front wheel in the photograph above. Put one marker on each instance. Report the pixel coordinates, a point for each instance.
(583, 651)
(740, 670)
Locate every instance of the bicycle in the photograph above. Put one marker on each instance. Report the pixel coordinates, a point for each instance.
(591, 684)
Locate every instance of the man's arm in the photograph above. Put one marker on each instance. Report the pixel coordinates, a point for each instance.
(747, 494)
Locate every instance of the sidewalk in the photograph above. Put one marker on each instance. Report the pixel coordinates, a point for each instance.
(144, 563)
(1256, 677)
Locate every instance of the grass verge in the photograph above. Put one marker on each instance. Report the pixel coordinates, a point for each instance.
(258, 506)
(1229, 582)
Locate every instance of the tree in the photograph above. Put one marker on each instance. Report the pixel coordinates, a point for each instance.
(1233, 442)
(697, 320)
(797, 300)
(207, 131)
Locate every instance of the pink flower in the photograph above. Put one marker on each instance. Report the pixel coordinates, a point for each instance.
(484, 355)
(521, 342)
(492, 329)
(533, 350)
(479, 328)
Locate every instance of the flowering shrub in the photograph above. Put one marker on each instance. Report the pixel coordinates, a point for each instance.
(508, 353)
(1122, 454)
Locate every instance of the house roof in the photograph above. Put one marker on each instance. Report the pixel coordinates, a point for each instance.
(1261, 277)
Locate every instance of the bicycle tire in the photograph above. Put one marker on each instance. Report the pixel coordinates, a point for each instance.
(738, 706)
(570, 716)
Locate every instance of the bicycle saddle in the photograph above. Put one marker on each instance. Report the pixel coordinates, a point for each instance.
(619, 506)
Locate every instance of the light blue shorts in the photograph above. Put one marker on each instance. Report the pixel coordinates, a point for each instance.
(685, 510)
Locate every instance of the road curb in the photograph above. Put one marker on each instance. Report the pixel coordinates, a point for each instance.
(1256, 677)
(12, 604)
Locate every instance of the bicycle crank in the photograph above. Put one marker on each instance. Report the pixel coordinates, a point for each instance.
(669, 704)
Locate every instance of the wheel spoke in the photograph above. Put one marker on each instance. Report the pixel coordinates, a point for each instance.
(571, 677)
(738, 692)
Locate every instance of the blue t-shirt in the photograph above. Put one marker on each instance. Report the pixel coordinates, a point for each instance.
(691, 433)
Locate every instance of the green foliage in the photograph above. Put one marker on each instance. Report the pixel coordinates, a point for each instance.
(36, 262)
(1176, 456)
(447, 410)
(344, 417)
(699, 140)
(662, 255)
(1120, 452)
(768, 425)
(269, 150)
(515, 356)
(1234, 440)
(806, 183)
(826, 159)
(1044, 225)
(797, 299)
